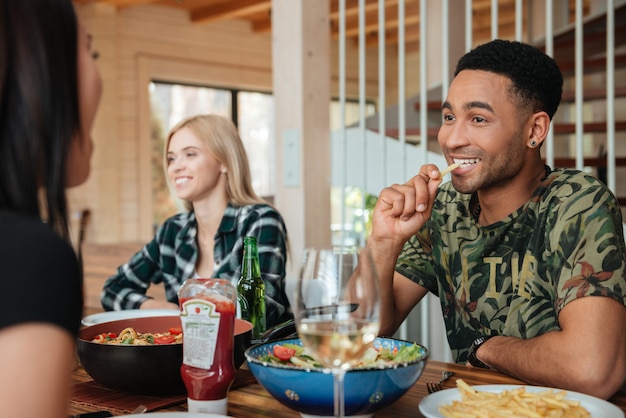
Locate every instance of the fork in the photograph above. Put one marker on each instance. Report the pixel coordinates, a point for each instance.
(139, 410)
(436, 386)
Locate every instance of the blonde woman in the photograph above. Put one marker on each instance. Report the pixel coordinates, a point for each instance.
(206, 163)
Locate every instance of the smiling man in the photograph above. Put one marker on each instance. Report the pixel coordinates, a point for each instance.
(528, 262)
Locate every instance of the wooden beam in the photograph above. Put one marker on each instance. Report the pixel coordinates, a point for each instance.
(485, 6)
(592, 94)
(120, 4)
(262, 25)
(588, 127)
(564, 162)
(395, 132)
(594, 33)
(591, 66)
(371, 25)
(431, 105)
(352, 7)
(411, 35)
(568, 96)
(594, 45)
(230, 10)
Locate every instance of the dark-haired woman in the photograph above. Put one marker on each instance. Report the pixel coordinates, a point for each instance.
(49, 93)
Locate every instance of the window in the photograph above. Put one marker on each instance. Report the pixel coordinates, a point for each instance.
(354, 224)
(256, 128)
(253, 113)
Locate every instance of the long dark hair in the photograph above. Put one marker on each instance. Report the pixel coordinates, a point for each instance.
(39, 108)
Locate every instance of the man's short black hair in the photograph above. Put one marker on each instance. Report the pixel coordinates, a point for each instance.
(536, 77)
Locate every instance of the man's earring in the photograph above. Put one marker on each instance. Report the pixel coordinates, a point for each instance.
(533, 143)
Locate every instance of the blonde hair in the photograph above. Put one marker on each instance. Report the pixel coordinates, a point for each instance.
(220, 136)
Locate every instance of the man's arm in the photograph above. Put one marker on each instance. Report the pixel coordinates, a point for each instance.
(587, 355)
(400, 212)
(398, 294)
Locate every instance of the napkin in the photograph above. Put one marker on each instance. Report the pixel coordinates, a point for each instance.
(93, 395)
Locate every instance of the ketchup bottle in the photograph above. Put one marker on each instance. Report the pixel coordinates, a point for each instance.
(207, 314)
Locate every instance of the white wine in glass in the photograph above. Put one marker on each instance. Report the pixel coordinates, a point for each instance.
(336, 310)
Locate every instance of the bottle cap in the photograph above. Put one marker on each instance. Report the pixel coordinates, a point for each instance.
(219, 406)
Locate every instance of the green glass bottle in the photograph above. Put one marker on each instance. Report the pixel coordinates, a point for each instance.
(251, 288)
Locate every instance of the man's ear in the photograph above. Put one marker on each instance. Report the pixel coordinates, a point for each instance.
(538, 129)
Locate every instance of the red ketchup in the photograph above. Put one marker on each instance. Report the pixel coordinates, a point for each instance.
(207, 313)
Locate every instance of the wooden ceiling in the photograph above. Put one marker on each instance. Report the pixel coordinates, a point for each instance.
(258, 13)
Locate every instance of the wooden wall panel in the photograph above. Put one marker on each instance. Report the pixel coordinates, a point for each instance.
(118, 191)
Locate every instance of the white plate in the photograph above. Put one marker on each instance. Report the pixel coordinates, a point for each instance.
(175, 415)
(127, 314)
(429, 406)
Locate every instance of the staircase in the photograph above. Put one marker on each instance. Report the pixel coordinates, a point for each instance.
(594, 94)
(594, 106)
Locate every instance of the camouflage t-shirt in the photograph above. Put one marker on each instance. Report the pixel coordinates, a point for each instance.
(513, 277)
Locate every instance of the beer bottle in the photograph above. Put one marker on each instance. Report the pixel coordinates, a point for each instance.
(251, 288)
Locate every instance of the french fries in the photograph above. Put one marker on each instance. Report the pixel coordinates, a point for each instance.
(449, 169)
(512, 403)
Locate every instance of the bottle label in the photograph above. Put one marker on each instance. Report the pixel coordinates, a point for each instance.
(201, 323)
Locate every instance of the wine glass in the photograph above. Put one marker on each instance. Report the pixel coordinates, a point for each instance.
(336, 310)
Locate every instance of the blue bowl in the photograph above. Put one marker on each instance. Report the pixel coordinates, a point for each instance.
(310, 391)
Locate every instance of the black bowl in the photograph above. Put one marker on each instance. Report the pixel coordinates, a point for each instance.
(144, 369)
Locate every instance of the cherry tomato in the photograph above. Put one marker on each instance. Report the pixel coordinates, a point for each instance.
(176, 330)
(164, 339)
(283, 353)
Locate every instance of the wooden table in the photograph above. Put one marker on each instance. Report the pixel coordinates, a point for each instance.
(253, 401)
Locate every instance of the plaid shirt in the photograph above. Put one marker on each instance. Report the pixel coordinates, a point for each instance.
(170, 258)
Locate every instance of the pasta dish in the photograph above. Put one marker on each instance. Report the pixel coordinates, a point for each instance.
(129, 336)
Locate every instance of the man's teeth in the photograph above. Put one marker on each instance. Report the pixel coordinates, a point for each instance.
(466, 163)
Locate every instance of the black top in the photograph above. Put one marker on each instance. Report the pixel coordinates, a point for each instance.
(40, 277)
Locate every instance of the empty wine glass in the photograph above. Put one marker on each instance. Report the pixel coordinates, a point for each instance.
(336, 310)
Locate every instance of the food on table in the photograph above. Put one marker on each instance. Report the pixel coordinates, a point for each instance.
(129, 336)
(515, 402)
(298, 356)
(448, 169)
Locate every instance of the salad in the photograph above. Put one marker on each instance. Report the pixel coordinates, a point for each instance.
(295, 355)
